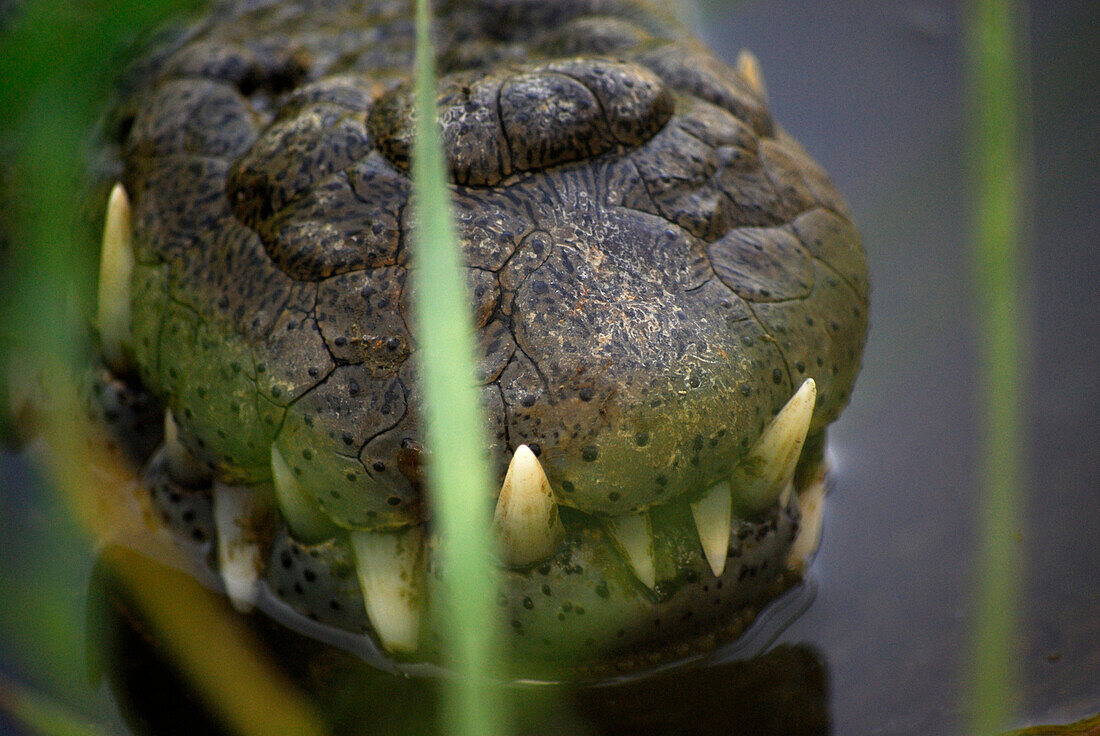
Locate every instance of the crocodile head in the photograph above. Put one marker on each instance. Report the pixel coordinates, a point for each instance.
(670, 297)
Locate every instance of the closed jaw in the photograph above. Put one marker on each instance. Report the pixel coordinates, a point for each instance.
(529, 528)
(390, 565)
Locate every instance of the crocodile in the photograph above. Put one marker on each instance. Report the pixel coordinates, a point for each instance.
(670, 296)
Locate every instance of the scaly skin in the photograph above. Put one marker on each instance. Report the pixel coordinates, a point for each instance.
(656, 269)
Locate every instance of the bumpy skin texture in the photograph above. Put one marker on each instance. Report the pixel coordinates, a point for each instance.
(655, 266)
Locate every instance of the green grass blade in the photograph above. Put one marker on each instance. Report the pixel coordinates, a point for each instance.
(458, 472)
(996, 160)
(54, 56)
(41, 715)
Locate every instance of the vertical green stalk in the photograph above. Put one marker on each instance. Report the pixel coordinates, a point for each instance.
(458, 473)
(53, 55)
(996, 158)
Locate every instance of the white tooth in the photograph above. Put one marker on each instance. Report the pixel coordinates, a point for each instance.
(391, 578)
(633, 535)
(748, 66)
(303, 518)
(811, 500)
(184, 468)
(239, 559)
(762, 475)
(526, 516)
(713, 519)
(785, 496)
(116, 266)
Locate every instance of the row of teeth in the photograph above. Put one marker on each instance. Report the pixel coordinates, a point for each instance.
(389, 564)
(526, 518)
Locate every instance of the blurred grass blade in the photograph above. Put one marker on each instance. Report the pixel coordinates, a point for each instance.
(53, 55)
(996, 160)
(458, 472)
(40, 715)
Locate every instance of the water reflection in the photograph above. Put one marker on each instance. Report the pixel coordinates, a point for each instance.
(784, 691)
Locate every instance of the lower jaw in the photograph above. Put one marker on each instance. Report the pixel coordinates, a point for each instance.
(347, 690)
(583, 610)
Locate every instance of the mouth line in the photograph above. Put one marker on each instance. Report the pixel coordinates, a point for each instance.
(322, 584)
(544, 605)
(654, 553)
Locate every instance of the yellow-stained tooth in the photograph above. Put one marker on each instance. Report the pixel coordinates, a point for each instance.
(239, 558)
(391, 576)
(526, 516)
(183, 467)
(748, 66)
(307, 523)
(116, 266)
(713, 517)
(811, 501)
(633, 535)
(762, 475)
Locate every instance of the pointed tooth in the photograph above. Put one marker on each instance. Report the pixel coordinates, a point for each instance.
(713, 517)
(811, 501)
(633, 535)
(116, 266)
(748, 66)
(391, 577)
(762, 475)
(183, 466)
(239, 559)
(308, 524)
(785, 496)
(526, 516)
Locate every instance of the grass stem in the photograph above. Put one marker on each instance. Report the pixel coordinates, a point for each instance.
(458, 472)
(996, 157)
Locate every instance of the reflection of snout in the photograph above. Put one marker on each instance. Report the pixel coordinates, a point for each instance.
(182, 661)
(783, 691)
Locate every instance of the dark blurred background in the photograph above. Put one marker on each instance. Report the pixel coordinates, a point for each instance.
(876, 92)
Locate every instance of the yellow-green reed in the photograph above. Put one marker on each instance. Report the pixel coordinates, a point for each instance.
(996, 159)
(59, 61)
(458, 472)
(43, 715)
(54, 56)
